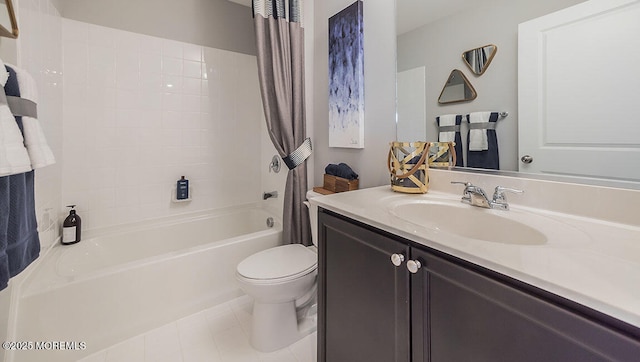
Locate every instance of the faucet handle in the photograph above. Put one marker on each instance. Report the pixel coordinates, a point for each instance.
(500, 200)
(465, 183)
(498, 194)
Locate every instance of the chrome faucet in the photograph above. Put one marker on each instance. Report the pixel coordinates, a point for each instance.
(475, 195)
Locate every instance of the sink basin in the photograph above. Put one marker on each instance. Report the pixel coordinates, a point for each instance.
(469, 222)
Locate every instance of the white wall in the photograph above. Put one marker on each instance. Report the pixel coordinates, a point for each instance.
(40, 53)
(218, 24)
(57, 4)
(410, 106)
(380, 93)
(141, 111)
(438, 46)
(8, 50)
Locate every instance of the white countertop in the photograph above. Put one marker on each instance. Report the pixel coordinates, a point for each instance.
(592, 262)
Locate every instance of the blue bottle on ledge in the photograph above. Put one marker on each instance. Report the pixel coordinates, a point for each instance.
(182, 189)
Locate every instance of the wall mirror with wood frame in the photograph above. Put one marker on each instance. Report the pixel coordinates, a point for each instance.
(8, 21)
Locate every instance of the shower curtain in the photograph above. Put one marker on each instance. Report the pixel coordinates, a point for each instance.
(280, 46)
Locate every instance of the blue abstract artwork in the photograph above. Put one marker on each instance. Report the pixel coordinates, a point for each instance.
(346, 78)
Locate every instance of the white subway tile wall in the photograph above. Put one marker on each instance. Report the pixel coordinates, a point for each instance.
(141, 111)
(40, 53)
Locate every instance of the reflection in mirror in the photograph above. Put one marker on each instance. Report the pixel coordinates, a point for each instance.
(457, 89)
(478, 59)
(411, 114)
(432, 38)
(8, 23)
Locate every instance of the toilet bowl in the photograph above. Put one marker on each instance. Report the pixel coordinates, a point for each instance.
(282, 282)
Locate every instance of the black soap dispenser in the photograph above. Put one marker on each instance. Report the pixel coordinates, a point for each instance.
(182, 189)
(71, 228)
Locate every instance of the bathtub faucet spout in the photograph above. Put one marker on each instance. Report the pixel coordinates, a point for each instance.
(267, 195)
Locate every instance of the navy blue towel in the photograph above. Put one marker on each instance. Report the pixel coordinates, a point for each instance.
(22, 240)
(4, 227)
(340, 170)
(23, 243)
(487, 159)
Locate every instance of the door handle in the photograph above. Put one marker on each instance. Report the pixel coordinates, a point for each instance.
(526, 159)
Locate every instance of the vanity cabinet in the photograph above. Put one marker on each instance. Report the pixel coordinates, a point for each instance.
(448, 310)
(364, 298)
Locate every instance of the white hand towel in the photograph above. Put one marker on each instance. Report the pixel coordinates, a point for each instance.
(478, 137)
(14, 158)
(447, 120)
(34, 139)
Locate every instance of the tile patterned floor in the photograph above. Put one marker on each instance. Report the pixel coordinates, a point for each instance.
(218, 334)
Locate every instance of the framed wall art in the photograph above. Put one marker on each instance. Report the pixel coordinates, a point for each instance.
(346, 78)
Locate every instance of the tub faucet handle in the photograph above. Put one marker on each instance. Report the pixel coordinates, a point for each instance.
(275, 164)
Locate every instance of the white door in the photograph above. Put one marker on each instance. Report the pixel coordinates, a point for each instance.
(579, 91)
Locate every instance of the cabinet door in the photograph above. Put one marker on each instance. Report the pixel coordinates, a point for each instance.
(363, 298)
(471, 317)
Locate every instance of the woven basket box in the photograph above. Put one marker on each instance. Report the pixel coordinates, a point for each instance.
(339, 184)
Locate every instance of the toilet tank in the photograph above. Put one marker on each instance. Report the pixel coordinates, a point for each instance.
(313, 216)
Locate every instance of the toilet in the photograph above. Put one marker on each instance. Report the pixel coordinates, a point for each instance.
(282, 283)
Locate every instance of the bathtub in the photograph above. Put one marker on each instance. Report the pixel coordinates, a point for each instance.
(118, 283)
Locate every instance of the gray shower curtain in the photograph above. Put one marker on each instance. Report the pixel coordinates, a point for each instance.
(280, 45)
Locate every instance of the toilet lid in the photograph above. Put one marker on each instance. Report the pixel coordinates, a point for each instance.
(279, 262)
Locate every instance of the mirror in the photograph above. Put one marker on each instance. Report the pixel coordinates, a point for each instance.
(8, 22)
(457, 89)
(454, 26)
(478, 59)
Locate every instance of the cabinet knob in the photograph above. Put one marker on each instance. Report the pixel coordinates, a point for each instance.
(413, 266)
(397, 259)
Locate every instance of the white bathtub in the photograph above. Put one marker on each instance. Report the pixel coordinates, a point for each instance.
(120, 283)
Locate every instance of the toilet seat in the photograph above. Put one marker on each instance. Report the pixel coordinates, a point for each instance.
(278, 264)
